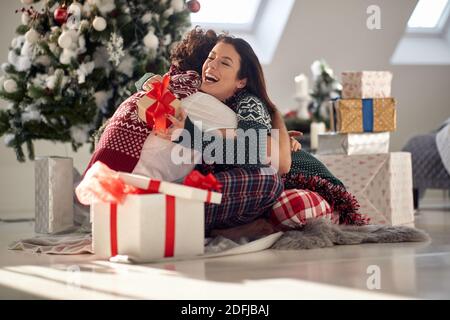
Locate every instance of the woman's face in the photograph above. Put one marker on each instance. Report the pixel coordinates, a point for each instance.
(220, 72)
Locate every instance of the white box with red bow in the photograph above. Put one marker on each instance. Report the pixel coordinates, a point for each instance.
(164, 220)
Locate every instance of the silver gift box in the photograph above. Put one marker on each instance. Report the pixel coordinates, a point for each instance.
(353, 143)
(53, 194)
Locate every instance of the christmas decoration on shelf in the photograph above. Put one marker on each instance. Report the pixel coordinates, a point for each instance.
(73, 62)
(325, 88)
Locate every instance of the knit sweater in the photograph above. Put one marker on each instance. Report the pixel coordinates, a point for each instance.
(249, 147)
(122, 140)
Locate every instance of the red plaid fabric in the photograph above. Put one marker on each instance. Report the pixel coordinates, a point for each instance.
(295, 207)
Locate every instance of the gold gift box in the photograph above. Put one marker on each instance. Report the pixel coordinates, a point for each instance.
(347, 115)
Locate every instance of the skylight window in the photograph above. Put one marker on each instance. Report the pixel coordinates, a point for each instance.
(229, 12)
(428, 14)
(259, 22)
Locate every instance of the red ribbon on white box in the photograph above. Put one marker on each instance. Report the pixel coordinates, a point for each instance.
(169, 247)
(171, 190)
(102, 183)
(191, 192)
(113, 229)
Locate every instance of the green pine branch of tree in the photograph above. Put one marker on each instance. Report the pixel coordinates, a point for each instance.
(62, 82)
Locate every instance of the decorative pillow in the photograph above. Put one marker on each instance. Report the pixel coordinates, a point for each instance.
(294, 207)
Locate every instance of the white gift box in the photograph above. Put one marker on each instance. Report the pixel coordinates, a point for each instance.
(53, 194)
(382, 184)
(353, 143)
(366, 84)
(147, 227)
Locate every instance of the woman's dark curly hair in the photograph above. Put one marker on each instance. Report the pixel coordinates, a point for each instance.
(193, 49)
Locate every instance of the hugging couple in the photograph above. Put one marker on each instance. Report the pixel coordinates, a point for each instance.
(220, 82)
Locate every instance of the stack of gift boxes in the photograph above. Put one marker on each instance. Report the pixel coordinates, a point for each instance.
(357, 148)
(361, 121)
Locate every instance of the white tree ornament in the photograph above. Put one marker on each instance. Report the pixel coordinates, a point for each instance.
(32, 36)
(66, 56)
(167, 39)
(10, 86)
(65, 40)
(177, 5)
(115, 48)
(84, 70)
(151, 41)
(99, 23)
(74, 11)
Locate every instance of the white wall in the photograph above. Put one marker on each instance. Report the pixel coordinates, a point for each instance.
(330, 29)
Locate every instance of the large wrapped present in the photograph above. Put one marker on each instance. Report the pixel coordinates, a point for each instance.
(366, 84)
(363, 115)
(157, 103)
(353, 143)
(382, 184)
(53, 194)
(159, 220)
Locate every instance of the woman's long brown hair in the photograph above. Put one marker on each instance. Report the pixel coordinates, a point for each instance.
(250, 69)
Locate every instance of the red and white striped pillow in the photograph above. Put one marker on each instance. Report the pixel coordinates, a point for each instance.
(294, 207)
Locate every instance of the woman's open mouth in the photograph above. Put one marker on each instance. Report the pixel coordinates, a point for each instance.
(209, 78)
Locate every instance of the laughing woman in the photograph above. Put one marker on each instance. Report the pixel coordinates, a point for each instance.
(233, 74)
(247, 195)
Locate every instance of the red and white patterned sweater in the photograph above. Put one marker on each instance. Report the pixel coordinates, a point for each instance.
(122, 141)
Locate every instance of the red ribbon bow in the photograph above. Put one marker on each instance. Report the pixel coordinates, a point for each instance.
(156, 113)
(197, 180)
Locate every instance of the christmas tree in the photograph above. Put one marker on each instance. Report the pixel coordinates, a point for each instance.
(73, 62)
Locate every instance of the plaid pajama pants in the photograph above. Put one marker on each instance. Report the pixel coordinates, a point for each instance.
(247, 194)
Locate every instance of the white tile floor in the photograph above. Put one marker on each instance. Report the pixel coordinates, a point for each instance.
(407, 270)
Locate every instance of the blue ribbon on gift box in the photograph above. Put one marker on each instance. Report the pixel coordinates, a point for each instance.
(367, 113)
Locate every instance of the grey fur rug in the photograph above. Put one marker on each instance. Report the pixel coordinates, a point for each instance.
(321, 234)
(316, 234)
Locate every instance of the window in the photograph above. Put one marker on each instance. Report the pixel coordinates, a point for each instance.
(427, 37)
(429, 16)
(260, 22)
(227, 15)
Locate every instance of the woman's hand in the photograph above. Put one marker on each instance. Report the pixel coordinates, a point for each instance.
(177, 123)
(283, 144)
(295, 145)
